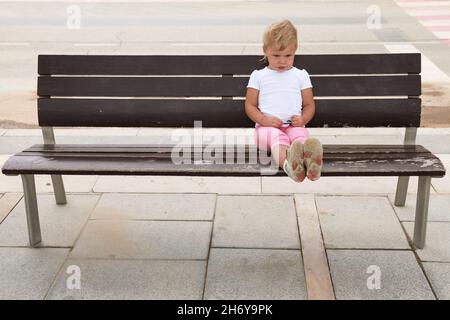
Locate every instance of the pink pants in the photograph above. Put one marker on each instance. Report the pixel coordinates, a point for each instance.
(267, 137)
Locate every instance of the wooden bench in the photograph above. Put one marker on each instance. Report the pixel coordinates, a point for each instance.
(360, 90)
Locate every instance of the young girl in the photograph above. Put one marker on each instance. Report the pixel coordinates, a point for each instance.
(280, 101)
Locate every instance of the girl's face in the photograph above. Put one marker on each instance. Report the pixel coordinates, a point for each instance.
(280, 60)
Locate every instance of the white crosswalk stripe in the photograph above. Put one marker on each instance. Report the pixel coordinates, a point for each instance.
(434, 15)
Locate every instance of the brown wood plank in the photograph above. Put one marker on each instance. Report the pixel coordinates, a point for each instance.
(162, 164)
(324, 86)
(219, 113)
(223, 64)
(145, 148)
(119, 166)
(222, 157)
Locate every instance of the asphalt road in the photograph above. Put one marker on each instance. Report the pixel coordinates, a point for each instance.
(29, 28)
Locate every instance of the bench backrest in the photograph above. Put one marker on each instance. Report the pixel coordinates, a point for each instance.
(356, 90)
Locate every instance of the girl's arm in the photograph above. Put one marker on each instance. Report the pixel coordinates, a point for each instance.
(308, 109)
(251, 105)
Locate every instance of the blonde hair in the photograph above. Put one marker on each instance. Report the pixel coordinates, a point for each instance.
(280, 35)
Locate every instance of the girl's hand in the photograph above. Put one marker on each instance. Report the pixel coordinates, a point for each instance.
(271, 121)
(298, 121)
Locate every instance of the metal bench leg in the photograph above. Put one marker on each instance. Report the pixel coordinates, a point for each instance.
(402, 190)
(420, 224)
(58, 188)
(29, 191)
(402, 184)
(58, 185)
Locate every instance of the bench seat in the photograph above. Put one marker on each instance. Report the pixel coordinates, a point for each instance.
(339, 160)
(208, 91)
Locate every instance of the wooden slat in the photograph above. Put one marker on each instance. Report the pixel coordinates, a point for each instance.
(219, 64)
(324, 86)
(364, 164)
(219, 113)
(357, 159)
(144, 148)
(124, 166)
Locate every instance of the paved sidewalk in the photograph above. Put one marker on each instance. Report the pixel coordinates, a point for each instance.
(223, 238)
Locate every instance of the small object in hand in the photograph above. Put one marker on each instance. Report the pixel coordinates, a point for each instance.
(287, 123)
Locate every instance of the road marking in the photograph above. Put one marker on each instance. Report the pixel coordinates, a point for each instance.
(415, 4)
(430, 72)
(95, 44)
(304, 43)
(435, 22)
(435, 15)
(442, 35)
(14, 43)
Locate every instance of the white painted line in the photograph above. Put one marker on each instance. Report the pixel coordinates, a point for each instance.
(442, 34)
(430, 72)
(215, 44)
(95, 44)
(14, 43)
(433, 23)
(127, 1)
(422, 12)
(305, 43)
(413, 4)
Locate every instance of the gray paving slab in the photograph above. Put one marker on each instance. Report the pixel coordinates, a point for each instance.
(85, 132)
(14, 144)
(11, 145)
(174, 184)
(336, 185)
(130, 280)
(255, 222)
(438, 209)
(437, 246)
(377, 275)
(80, 131)
(442, 185)
(436, 144)
(320, 48)
(359, 222)
(155, 206)
(433, 131)
(7, 203)
(28, 273)
(249, 274)
(439, 276)
(60, 224)
(127, 239)
(44, 182)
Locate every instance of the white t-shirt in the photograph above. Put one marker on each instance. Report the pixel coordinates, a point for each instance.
(279, 91)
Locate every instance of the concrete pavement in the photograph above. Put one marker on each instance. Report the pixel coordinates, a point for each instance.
(220, 238)
(209, 27)
(223, 238)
